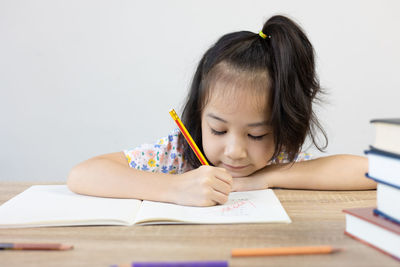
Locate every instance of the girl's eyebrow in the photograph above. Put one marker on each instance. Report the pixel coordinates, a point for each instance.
(255, 124)
(216, 117)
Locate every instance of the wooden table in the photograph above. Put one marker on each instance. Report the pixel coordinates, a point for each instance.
(317, 219)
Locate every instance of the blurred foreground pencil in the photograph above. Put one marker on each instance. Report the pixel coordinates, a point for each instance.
(34, 246)
(249, 252)
(176, 264)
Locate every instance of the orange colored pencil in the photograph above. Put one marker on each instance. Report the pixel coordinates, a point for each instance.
(275, 251)
(188, 137)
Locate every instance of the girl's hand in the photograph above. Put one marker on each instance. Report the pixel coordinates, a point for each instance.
(204, 186)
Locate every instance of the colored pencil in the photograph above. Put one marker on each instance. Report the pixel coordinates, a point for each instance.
(275, 251)
(176, 264)
(188, 137)
(34, 246)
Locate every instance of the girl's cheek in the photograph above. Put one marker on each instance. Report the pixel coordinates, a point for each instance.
(211, 147)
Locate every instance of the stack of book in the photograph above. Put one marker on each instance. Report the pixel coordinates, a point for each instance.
(379, 226)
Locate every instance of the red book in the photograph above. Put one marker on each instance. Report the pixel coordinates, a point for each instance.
(375, 231)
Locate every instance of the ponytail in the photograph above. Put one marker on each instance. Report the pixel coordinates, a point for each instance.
(294, 86)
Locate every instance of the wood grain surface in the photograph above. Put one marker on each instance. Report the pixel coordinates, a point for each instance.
(317, 219)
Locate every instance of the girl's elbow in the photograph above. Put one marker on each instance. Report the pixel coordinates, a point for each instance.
(74, 179)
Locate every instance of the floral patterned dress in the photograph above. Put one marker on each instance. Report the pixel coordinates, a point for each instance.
(166, 156)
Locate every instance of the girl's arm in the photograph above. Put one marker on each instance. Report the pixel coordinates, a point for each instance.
(110, 176)
(338, 172)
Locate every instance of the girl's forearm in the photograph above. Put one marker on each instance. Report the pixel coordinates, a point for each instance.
(110, 176)
(107, 178)
(338, 172)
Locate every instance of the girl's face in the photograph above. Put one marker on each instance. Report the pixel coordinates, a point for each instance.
(235, 131)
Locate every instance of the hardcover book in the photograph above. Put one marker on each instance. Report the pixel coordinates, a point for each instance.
(383, 166)
(387, 200)
(387, 132)
(364, 225)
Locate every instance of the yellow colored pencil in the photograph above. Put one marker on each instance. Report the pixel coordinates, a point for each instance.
(188, 138)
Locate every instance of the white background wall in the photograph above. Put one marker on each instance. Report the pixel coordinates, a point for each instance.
(82, 78)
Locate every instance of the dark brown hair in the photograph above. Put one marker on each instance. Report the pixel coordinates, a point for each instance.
(287, 56)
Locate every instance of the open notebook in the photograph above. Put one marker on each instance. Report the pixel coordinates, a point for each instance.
(56, 205)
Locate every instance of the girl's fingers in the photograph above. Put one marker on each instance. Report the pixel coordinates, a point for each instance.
(220, 198)
(222, 187)
(223, 175)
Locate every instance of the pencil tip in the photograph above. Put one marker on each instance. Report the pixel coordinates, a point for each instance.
(337, 249)
(66, 247)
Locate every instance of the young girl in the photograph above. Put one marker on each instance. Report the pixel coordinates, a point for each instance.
(249, 110)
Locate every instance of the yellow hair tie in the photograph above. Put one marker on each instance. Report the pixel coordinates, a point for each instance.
(263, 35)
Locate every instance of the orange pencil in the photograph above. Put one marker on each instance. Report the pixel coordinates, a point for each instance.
(188, 138)
(248, 252)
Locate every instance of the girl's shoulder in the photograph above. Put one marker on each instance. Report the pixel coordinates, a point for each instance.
(165, 155)
(283, 157)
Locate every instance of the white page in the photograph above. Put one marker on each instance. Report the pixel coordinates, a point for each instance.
(259, 206)
(56, 205)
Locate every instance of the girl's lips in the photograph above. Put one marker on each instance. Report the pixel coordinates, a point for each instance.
(227, 166)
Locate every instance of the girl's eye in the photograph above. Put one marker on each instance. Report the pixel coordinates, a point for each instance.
(217, 132)
(257, 138)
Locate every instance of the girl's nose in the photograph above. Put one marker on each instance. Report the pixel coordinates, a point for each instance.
(235, 149)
